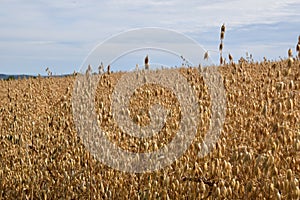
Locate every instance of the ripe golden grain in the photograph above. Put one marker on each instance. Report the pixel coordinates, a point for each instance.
(230, 58)
(290, 62)
(42, 156)
(290, 53)
(289, 175)
(291, 85)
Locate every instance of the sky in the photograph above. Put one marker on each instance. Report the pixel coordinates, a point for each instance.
(60, 34)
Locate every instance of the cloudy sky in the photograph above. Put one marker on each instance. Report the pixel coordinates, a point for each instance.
(60, 34)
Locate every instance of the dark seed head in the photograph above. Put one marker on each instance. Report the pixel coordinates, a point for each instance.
(223, 28)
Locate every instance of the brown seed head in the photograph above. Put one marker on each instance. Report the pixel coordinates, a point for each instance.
(222, 35)
(108, 69)
(147, 62)
(206, 55)
(223, 28)
(230, 57)
(221, 46)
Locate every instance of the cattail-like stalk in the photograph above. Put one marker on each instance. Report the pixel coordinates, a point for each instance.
(221, 43)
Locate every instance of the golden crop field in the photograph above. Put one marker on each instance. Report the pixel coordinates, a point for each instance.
(257, 155)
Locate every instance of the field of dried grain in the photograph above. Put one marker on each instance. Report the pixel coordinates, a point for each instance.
(256, 157)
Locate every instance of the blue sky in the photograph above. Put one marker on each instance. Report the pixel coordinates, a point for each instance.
(60, 34)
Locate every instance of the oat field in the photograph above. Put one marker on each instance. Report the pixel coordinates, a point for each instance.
(256, 157)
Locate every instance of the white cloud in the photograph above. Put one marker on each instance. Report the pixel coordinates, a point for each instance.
(72, 28)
